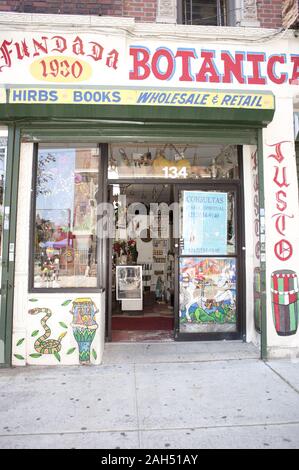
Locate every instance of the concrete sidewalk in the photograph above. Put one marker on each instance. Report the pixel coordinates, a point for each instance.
(157, 395)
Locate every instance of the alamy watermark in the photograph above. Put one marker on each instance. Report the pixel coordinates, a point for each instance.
(122, 221)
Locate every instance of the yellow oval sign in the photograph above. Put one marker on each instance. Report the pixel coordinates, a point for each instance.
(61, 69)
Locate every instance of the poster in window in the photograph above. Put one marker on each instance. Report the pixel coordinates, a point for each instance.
(204, 223)
(208, 295)
(128, 282)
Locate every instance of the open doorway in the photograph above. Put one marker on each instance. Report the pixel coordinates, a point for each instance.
(143, 281)
(176, 258)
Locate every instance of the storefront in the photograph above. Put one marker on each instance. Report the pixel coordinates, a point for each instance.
(149, 192)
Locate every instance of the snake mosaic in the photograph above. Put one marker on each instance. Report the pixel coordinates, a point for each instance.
(43, 345)
(84, 327)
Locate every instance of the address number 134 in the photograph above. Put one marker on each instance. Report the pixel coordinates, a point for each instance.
(174, 172)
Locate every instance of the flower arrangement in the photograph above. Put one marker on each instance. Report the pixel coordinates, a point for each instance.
(133, 249)
(126, 248)
(120, 247)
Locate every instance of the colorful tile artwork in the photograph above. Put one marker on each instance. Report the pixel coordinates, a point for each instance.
(207, 291)
(285, 301)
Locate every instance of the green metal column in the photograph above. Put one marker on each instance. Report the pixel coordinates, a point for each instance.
(8, 244)
(262, 244)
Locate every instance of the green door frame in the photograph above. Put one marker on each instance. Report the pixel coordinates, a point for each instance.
(260, 153)
(8, 244)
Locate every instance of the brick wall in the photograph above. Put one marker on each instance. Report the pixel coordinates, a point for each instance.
(141, 10)
(67, 7)
(270, 13)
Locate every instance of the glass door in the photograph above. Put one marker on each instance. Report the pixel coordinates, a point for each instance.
(208, 260)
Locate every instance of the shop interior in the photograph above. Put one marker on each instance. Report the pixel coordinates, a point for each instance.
(142, 297)
(143, 249)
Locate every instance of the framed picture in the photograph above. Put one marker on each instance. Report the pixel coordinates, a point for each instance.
(129, 282)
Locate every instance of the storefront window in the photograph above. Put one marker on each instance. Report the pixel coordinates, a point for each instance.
(169, 161)
(65, 238)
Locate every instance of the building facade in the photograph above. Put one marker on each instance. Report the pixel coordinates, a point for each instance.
(149, 178)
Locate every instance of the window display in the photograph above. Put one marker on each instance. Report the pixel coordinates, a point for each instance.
(169, 161)
(65, 244)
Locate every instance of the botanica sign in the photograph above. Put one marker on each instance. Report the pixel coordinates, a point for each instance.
(202, 66)
(110, 60)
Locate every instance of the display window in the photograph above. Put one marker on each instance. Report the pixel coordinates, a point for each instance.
(64, 244)
(173, 161)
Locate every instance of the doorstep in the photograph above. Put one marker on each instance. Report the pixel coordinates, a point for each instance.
(140, 336)
(173, 351)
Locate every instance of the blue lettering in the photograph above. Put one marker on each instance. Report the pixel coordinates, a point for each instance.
(144, 97)
(162, 98)
(18, 95)
(175, 98)
(182, 98)
(87, 96)
(77, 96)
(106, 96)
(32, 95)
(226, 100)
(43, 95)
(116, 97)
(190, 99)
(234, 99)
(154, 97)
(53, 95)
(259, 102)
